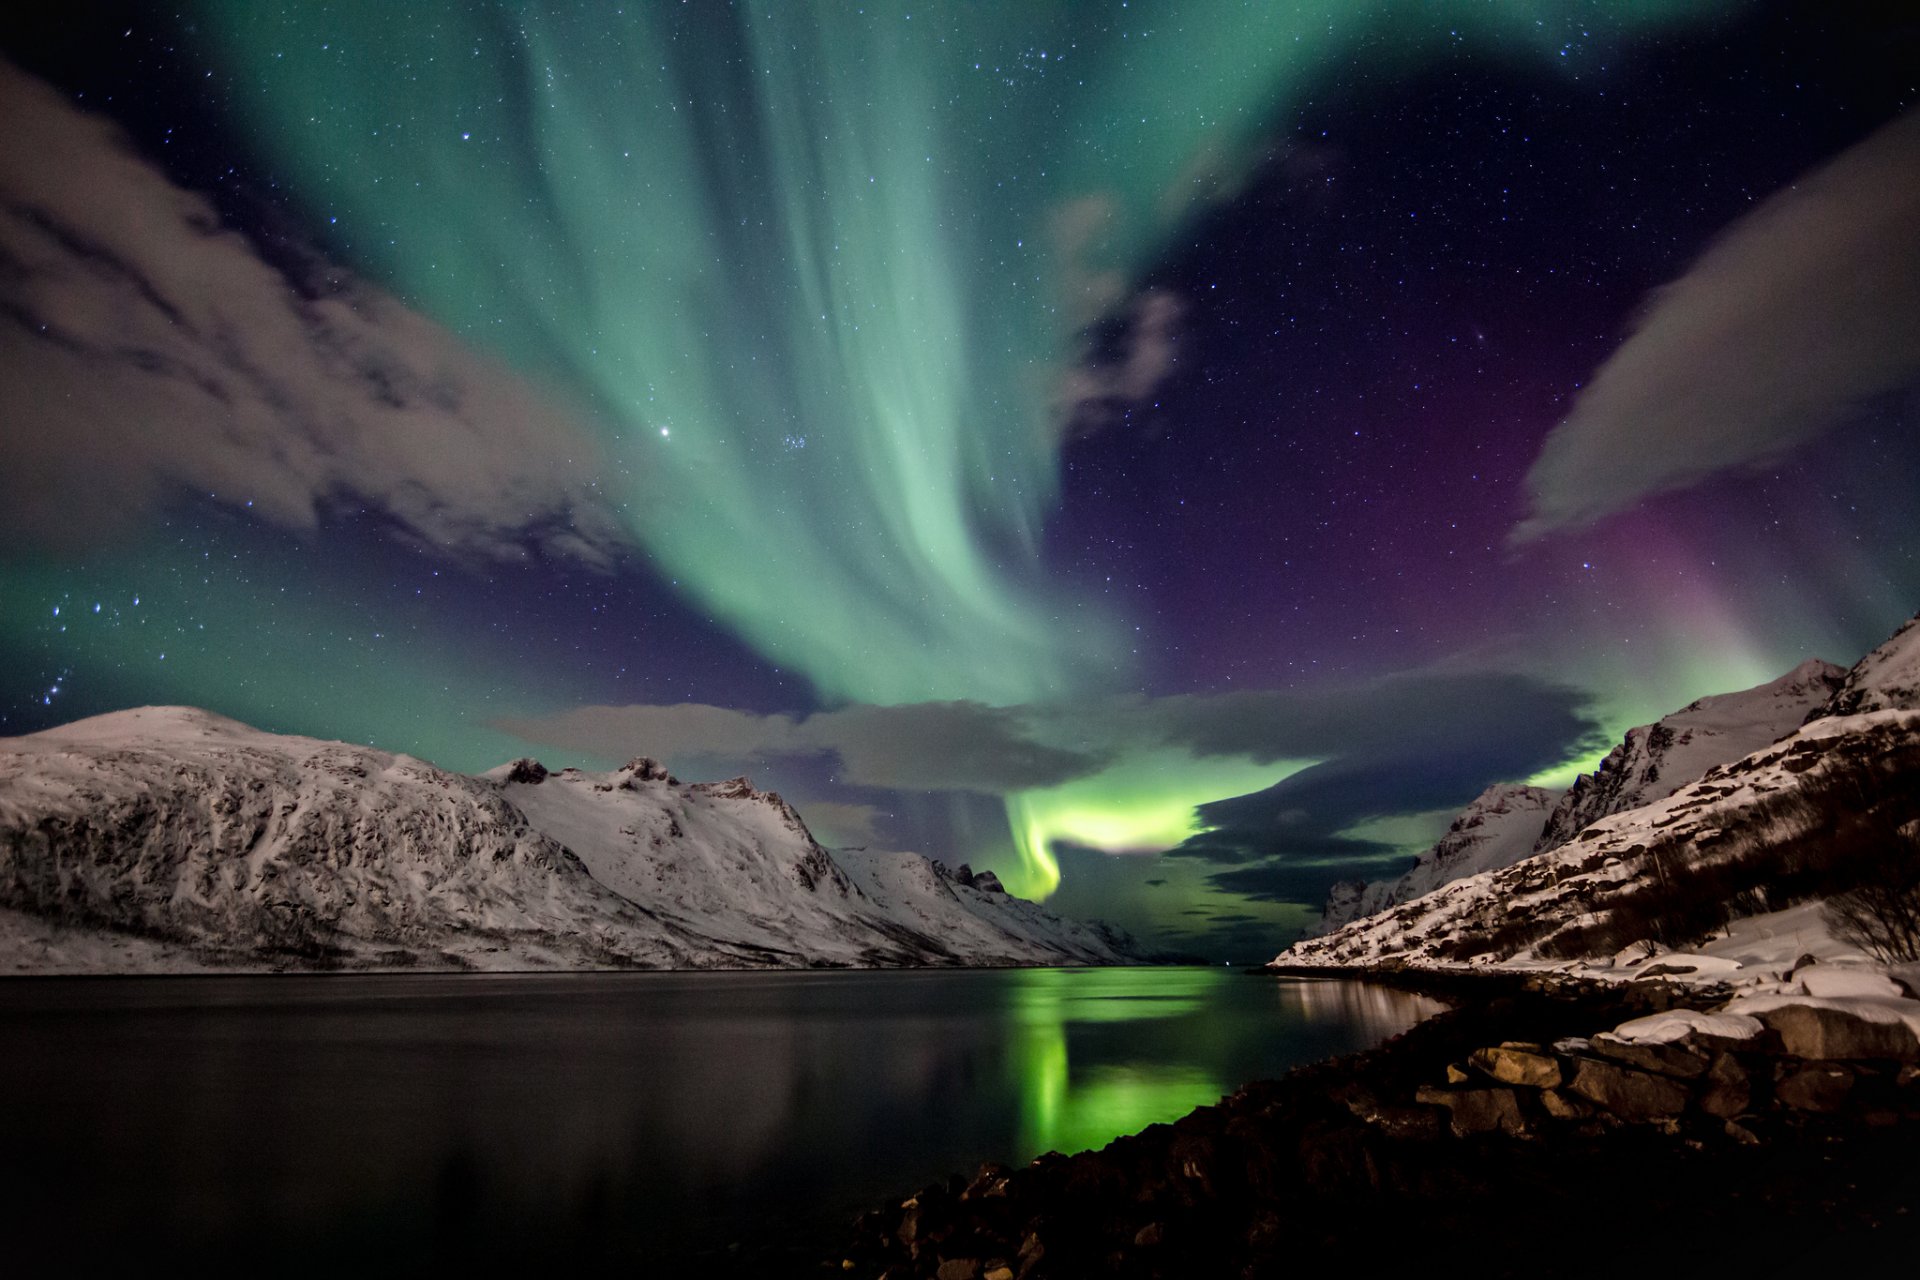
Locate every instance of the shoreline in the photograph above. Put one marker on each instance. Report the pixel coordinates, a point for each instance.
(1612, 1155)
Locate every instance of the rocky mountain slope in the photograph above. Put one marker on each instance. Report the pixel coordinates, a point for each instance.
(1782, 824)
(1887, 678)
(1509, 822)
(1744, 830)
(1497, 830)
(1655, 760)
(173, 838)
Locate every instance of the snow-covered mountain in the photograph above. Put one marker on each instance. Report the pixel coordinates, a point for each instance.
(1770, 824)
(1655, 760)
(1497, 830)
(173, 838)
(1737, 814)
(1509, 822)
(1887, 678)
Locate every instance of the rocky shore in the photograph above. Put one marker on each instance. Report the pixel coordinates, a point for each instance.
(1540, 1127)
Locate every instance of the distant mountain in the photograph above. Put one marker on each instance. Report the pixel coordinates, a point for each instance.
(1655, 760)
(1498, 829)
(1780, 824)
(169, 837)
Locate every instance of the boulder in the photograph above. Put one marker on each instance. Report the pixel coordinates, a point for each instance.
(1562, 1105)
(527, 770)
(1479, 1110)
(1512, 1064)
(1634, 1096)
(1726, 1091)
(959, 1269)
(1819, 1087)
(1662, 1059)
(1826, 1033)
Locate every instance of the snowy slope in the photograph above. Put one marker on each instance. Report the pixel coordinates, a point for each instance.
(173, 838)
(1656, 759)
(1516, 912)
(1497, 830)
(1885, 680)
(738, 864)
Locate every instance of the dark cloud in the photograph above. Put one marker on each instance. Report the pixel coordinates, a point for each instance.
(1283, 880)
(1413, 715)
(1397, 745)
(148, 352)
(1231, 845)
(1093, 393)
(1805, 309)
(1413, 745)
(925, 746)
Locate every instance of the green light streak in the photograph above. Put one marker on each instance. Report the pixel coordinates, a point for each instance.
(1143, 804)
(1064, 1112)
(820, 268)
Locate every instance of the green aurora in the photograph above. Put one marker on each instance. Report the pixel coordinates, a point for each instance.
(824, 275)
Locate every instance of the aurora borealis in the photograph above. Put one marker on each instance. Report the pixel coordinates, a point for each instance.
(1021, 432)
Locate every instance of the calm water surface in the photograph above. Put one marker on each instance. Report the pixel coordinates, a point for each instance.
(315, 1123)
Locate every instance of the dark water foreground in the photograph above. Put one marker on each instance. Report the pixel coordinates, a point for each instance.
(1495, 1140)
(737, 1120)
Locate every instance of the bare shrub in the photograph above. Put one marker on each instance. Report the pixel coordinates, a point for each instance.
(1881, 913)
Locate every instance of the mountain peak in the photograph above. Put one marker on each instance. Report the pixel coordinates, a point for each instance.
(1888, 679)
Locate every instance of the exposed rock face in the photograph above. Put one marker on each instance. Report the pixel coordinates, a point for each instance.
(1655, 760)
(211, 843)
(1497, 830)
(527, 770)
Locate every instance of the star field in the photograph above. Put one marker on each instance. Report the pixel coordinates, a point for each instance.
(1110, 409)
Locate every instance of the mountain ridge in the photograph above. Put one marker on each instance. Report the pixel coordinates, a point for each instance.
(223, 845)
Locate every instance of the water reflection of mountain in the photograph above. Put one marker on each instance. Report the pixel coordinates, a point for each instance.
(1378, 1013)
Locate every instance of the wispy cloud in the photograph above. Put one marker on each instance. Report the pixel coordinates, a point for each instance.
(923, 746)
(1803, 310)
(1395, 745)
(149, 352)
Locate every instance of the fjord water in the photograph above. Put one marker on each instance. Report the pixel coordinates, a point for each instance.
(311, 1123)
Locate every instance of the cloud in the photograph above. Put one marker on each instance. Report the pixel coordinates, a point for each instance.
(150, 353)
(1283, 880)
(838, 825)
(1803, 310)
(1093, 392)
(1402, 744)
(923, 746)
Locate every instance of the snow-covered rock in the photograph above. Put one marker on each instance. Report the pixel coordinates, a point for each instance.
(168, 837)
(1655, 760)
(1497, 830)
(1513, 915)
(1888, 679)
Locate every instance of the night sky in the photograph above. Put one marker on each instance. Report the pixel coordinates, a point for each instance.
(1173, 454)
